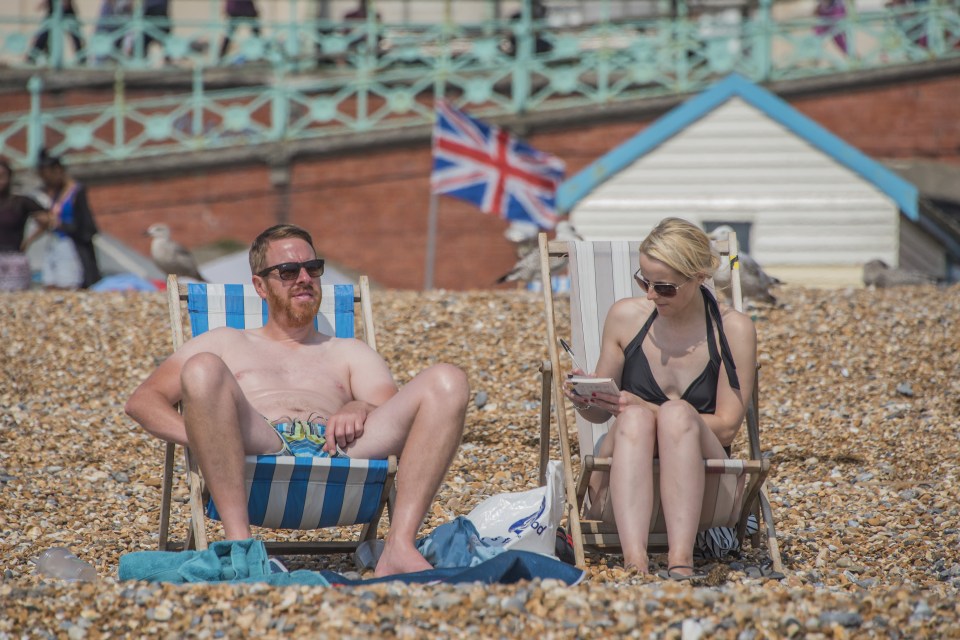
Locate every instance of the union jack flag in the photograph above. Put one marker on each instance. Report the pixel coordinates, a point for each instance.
(483, 164)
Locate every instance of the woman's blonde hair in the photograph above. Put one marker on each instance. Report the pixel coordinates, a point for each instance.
(682, 246)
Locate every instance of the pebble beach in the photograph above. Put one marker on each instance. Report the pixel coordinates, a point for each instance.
(859, 415)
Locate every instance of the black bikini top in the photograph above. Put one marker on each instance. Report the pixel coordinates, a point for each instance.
(638, 379)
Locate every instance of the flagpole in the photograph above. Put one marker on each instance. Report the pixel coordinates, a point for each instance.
(431, 241)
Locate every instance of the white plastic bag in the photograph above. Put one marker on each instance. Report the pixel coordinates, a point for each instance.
(527, 520)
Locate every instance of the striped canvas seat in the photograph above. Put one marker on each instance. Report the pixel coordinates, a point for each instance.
(284, 492)
(600, 274)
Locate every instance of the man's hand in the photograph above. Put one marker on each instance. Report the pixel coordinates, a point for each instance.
(346, 425)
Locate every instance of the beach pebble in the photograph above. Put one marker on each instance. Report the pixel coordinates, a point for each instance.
(862, 482)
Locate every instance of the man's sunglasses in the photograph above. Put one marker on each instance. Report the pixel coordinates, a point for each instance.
(663, 289)
(291, 270)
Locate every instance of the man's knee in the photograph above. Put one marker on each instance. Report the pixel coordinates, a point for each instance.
(202, 374)
(450, 383)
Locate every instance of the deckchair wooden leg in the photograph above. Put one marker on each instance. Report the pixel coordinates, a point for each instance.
(190, 542)
(773, 547)
(166, 495)
(546, 369)
(197, 517)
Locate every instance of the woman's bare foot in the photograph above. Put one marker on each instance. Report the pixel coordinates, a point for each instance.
(400, 557)
(632, 568)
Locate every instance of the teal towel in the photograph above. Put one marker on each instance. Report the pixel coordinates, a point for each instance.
(224, 561)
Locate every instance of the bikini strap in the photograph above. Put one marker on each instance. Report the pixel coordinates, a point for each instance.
(725, 355)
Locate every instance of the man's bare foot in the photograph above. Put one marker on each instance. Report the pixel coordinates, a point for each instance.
(400, 558)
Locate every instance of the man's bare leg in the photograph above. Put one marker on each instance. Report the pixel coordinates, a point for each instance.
(424, 422)
(222, 428)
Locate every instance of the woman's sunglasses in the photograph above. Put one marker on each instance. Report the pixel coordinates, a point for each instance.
(290, 270)
(663, 289)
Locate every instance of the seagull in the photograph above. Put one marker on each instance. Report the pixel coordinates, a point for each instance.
(170, 256)
(879, 274)
(527, 268)
(755, 283)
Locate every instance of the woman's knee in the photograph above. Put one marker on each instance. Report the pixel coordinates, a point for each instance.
(203, 373)
(677, 418)
(635, 424)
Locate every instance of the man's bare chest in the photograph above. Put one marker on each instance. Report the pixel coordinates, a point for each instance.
(271, 366)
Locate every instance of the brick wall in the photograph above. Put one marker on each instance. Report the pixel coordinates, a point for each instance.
(368, 212)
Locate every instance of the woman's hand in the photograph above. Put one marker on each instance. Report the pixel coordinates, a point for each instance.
(579, 402)
(616, 404)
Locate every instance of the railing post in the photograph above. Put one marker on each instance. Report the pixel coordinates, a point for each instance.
(293, 37)
(523, 52)
(935, 28)
(280, 110)
(139, 37)
(196, 125)
(55, 35)
(763, 42)
(35, 137)
(444, 63)
(119, 111)
(603, 60)
(372, 33)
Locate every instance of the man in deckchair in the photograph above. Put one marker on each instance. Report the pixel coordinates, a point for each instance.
(287, 389)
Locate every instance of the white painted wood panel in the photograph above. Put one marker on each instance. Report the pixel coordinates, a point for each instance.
(737, 164)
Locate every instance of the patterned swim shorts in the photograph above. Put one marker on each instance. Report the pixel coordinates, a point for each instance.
(303, 438)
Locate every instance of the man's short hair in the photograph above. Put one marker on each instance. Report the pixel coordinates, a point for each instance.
(258, 251)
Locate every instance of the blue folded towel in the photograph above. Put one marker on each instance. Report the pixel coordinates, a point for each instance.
(457, 544)
(224, 561)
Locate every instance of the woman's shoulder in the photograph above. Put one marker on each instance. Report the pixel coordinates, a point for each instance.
(735, 322)
(630, 307)
(629, 312)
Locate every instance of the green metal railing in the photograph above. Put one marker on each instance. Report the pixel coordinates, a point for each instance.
(386, 77)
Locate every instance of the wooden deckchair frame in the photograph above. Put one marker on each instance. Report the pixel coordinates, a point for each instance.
(603, 536)
(198, 493)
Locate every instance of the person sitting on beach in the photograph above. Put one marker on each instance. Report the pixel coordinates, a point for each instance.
(244, 391)
(685, 367)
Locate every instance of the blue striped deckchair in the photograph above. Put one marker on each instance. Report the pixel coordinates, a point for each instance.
(284, 492)
(601, 274)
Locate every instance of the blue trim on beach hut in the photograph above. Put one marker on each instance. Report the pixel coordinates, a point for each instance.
(902, 192)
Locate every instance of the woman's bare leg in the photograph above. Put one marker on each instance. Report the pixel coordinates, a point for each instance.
(684, 441)
(631, 481)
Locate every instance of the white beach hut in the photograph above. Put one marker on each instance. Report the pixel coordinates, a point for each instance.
(808, 206)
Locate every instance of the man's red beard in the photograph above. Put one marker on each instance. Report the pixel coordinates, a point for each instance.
(295, 314)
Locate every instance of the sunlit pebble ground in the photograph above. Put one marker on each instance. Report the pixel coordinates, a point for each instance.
(860, 398)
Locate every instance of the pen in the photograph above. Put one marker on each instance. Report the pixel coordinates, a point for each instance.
(566, 347)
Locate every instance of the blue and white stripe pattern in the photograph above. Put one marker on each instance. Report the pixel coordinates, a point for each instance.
(309, 493)
(238, 306)
(286, 492)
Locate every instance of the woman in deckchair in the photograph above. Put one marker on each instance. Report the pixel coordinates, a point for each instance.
(685, 367)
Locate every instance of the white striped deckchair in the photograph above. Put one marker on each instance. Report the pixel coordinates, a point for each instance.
(284, 492)
(600, 274)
